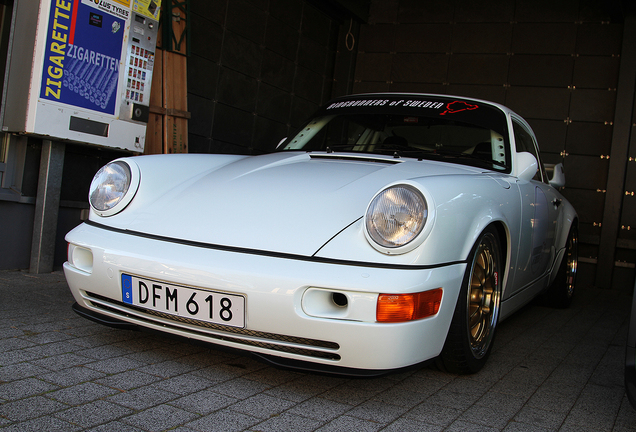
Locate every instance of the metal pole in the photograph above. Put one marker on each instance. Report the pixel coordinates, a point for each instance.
(46, 207)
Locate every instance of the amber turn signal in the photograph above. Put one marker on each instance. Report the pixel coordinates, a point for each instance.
(408, 307)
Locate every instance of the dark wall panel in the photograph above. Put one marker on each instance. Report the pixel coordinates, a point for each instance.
(596, 72)
(482, 38)
(245, 19)
(374, 67)
(544, 38)
(281, 38)
(377, 38)
(257, 66)
(593, 105)
(423, 38)
(599, 39)
(541, 70)
(485, 11)
(582, 198)
(425, 11)
(589, 172)
(546, 10)
(494, 93)
(592, 139)
(551, 134)
(429, 68)
(551, 103)
(478, 69)
(278, 71)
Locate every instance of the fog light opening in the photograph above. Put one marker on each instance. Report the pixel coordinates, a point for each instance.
(339, 299)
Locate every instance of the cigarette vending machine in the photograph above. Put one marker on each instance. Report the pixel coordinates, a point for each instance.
(81, 70)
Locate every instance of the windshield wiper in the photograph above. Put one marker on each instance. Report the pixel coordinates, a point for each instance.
(441, 155)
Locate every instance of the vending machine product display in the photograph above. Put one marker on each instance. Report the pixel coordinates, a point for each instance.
(88, 75)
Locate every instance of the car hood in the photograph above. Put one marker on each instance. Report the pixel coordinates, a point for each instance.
(291, 203)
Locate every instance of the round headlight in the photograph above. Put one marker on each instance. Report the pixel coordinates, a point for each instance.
(110, 189)
(396, 216)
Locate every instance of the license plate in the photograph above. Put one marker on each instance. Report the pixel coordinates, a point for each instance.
(209, 306)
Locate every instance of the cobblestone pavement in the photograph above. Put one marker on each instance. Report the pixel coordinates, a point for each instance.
(550, 370)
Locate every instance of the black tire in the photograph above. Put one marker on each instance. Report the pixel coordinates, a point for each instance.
(472, 330)
(561, 291)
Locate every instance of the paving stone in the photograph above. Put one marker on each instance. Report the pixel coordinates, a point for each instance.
(320, 409)
(346, 423)
(81, 393)
(492, 416)
(143, 397)
(262, 406)
(377, 412)
(203, 402)
(530, 416)
(348, 395)
(52, 349)
(16, 356)
(162, 417)
(167, 369)
(433, 414)
(240, 388)
(116, 426)
(16, 343)
(72, 376)
(41, 424)
(128, 380)
(288, 422)
(93, 414)
(103, 351)
(462, 426)
(411, 425)
(114, 365)
(223, 421)
(183, 384)
(24, 388)
(30, 408)
(62, 361)
(523, 427)
(19, 371)
(452, 399)
(295, 391)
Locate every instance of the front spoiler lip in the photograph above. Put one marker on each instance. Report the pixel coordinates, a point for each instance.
(275, 361)
(103, 319)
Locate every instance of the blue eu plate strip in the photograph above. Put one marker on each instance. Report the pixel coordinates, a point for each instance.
(126, 288)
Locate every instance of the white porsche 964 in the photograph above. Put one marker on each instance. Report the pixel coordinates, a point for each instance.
(391, 229)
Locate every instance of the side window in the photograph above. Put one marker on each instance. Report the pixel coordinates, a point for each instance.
(526, 142)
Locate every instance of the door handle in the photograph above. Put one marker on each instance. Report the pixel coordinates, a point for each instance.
(556, 202)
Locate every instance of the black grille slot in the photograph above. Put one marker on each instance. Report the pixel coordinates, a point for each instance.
(221, 332)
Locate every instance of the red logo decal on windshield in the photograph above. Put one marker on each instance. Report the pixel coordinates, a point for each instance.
(458, 106)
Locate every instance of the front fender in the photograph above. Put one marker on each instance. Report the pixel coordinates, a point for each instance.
(464, 207)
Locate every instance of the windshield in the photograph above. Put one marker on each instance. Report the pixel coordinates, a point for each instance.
(406, 134)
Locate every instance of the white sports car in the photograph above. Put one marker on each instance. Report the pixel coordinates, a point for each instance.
(390, 230)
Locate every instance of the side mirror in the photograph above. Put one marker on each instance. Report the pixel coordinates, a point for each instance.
(556, 174)
(525, 166)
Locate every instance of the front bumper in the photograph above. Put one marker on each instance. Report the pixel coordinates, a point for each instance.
(286, 315)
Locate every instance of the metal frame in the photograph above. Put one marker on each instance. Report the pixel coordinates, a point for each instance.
(618, 156)
(630, 356)
(170, 41)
